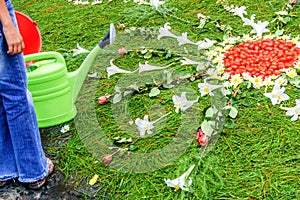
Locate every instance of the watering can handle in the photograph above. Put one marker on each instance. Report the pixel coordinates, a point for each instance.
(45, 56)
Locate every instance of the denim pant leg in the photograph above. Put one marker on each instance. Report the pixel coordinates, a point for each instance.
(20, 118)
(8, 164)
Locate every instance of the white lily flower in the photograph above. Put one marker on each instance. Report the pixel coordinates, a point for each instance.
(205, 44)
(113, 69)
(164, 32)
(294, 111)
(249, 22)
(239, 11)
(144, 125)
(65, 129)
(277, 95)
(180, 182)
(181, 103)
(146, 67)
(260, 28)
(79, 50)
(184, 40)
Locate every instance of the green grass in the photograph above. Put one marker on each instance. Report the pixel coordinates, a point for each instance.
(257, 159)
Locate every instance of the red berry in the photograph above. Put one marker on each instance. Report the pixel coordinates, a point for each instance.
(107, 159)
(203, 140)
(102, 100)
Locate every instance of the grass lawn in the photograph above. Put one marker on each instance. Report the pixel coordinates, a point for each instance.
(256, 159)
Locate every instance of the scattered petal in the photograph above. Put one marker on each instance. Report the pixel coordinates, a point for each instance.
(93, 180)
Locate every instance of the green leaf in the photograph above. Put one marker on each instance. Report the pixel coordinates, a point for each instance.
(168, 55)
(192, 79)
(127, 92)
(117, 98)
(168, 86)
(286, 20)
(132, 147)
(144, 51)
(148, 55)
(124, 140)
(282, 13)
(210, 112)
(232, 111)
(129, 140)
(116, 138)
(206, 128)
(229, 123)
(295, 81)
(202, 23)
(154, 92)
(279, 32)
(134, 86)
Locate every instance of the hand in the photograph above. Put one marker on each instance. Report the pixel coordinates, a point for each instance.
(14, 40)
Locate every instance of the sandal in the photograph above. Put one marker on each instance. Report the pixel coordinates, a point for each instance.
(38, 184)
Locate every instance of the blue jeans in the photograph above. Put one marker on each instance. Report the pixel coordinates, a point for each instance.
(21, 153)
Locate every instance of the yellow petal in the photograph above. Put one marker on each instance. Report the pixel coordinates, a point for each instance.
(93, 180)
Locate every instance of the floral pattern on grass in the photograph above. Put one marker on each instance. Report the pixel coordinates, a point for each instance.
(239, 63)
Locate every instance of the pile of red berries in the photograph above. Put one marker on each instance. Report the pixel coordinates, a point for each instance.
(263, 57)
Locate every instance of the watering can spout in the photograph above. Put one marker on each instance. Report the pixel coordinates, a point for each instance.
(77, 77)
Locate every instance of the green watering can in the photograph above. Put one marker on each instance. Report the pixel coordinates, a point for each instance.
(53, 88)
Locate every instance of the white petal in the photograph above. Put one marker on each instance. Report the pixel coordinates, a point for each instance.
(294, 118)
(164, 32)
(146, 67)
(184, 40)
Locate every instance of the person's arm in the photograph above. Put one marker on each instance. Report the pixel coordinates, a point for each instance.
(13, 37)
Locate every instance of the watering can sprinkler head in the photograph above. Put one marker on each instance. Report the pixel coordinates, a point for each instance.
(109, 37)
